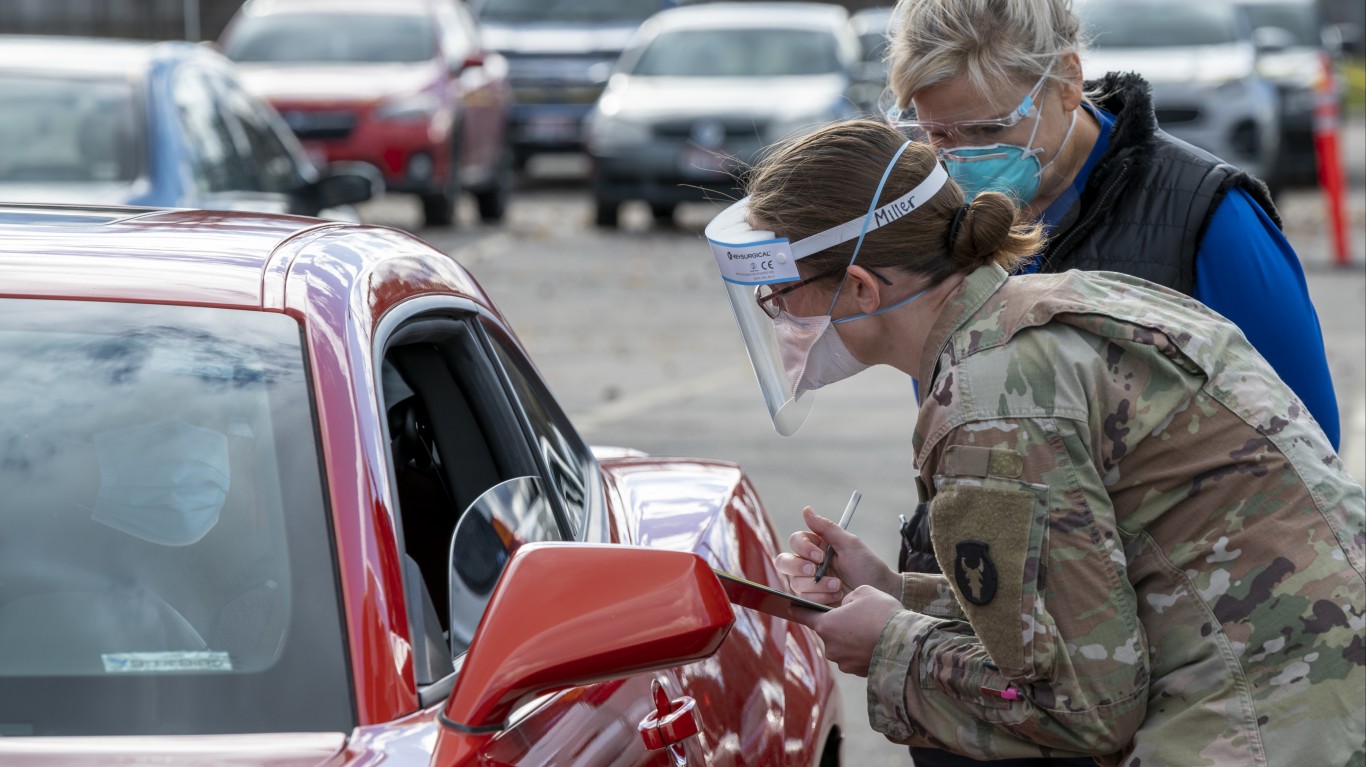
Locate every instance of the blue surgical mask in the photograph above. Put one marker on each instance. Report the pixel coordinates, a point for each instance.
(163, 482)
(1007, 168)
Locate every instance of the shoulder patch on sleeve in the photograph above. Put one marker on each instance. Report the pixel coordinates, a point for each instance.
(989, 538)
(974, 461)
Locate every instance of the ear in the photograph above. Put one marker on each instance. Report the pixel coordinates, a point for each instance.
(864, 289)
(1072, 86)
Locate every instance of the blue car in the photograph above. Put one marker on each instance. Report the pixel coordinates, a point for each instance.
(161, 124)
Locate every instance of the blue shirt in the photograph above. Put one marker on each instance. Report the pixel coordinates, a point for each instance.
(1246, 270)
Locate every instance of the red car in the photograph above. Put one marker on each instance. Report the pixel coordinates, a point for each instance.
(278, 491)
(401, 84)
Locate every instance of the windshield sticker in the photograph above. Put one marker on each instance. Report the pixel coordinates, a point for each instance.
(757, 263)
(165, 662)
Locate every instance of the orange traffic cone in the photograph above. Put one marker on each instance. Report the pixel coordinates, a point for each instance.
(1332, 178)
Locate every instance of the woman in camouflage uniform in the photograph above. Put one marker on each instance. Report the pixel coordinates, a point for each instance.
(1152, 554)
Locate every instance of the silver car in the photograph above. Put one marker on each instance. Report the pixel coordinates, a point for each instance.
(1202, 64)
(702, 89)
(1296, 55)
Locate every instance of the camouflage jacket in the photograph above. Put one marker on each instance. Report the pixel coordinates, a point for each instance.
(1151, 553)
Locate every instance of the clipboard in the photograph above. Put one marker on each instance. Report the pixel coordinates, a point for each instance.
(757, 596)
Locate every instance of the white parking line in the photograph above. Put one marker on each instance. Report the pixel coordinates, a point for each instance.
(639, 402)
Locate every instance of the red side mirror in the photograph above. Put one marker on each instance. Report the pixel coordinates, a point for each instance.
(568, 614)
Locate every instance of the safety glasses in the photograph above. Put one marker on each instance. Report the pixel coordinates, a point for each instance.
(770, 299)
(961, 132)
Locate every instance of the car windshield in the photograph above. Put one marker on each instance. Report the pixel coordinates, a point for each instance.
(738, 53)
(1299, 19)
(568, 10)
(165, 552)
(333, 38)
(1158, 25)
(68, 130)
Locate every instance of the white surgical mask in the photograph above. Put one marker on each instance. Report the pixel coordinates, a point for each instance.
(813, 353)
(163, 482)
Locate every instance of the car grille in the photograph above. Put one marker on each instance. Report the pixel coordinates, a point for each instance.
(721, 130)
(1177, 115)
(309, 124)
(554, 92)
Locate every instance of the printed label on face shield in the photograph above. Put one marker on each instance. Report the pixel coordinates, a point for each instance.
(165, 662)
(756, 263)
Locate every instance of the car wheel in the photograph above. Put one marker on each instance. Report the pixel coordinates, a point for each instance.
(605, 214)
(438, 208)
(663, 213)
(493, 201)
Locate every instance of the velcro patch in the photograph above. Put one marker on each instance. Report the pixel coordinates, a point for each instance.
(989, 540)
(974, 461)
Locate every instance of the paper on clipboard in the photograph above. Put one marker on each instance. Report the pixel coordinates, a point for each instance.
(757, 596)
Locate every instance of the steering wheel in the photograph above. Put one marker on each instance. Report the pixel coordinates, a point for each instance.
(61, 617)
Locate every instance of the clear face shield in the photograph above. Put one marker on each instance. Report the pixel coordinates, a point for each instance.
(754, 264)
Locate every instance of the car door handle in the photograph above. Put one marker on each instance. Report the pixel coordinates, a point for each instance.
(671, 722)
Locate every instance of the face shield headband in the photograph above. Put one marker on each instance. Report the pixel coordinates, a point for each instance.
(749, 258)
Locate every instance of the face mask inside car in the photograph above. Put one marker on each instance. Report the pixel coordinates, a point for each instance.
(163, 482)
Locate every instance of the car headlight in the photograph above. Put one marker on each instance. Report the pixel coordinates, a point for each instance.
(415, 107)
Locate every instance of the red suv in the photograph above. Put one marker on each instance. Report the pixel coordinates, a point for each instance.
(403, 85)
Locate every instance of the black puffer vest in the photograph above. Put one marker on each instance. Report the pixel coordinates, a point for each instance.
(1143, 212)
(1149, 199)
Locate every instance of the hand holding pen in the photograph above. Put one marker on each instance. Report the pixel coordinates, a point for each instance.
(859, 565)
(845, 519)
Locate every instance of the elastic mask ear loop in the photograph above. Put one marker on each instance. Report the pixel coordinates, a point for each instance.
(1066, 138)
(867, 217)
(1032, 150)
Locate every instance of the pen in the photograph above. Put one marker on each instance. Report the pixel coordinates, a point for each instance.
(844, 525)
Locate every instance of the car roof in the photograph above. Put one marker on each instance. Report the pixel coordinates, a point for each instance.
(756, 14)
(215, 258)
(871, 19)
(88, 56)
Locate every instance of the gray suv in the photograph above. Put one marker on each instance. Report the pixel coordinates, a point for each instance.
(559, 54)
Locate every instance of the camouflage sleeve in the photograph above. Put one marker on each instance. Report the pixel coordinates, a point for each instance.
(1052, 659)
(929, 593)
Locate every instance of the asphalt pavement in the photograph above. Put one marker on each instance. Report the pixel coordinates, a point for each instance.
(633, 334)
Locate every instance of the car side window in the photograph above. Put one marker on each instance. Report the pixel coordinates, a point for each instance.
(567, 458)
(276, 168)
(218, 167)
(458, 449)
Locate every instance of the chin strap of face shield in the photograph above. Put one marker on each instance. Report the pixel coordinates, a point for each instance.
(875, 217)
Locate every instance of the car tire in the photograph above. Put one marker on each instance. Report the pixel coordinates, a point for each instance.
(606, 215)
(493, 201)
(663, 213)
(438, 208)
